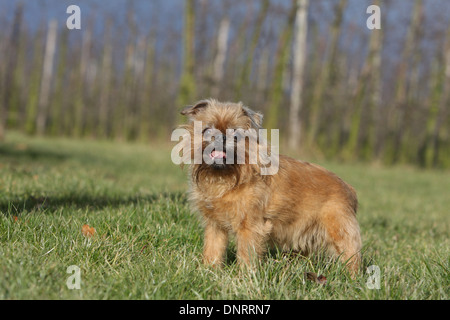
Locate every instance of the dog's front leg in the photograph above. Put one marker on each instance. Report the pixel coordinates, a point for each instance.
(251, 238)
(215, 244)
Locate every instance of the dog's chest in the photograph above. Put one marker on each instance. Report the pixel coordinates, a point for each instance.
(230, 209)
(226, 213)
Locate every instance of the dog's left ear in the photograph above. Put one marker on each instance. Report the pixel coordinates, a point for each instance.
(256, 118)
(192, 110)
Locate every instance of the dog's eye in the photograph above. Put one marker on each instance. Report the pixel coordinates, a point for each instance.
(207, 131)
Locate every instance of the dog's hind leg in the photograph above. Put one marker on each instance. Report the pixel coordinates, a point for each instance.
(342, 235)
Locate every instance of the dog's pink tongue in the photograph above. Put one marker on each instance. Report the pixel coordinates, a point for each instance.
(218, 155)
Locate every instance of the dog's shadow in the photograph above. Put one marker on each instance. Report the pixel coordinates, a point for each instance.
(81, 201)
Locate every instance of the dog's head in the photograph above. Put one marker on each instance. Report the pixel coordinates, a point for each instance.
(228, 136)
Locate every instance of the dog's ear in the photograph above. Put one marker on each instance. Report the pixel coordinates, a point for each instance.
(192, 110)
(256, 118)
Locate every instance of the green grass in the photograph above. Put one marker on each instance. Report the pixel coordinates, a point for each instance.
(148, 243)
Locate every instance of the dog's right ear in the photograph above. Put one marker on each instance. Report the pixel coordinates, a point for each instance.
(192, 110)
(255, 117)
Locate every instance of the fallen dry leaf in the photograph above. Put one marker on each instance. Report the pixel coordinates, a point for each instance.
(87, 231)
(321, 279)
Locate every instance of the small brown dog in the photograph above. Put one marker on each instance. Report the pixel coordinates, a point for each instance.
(302, 207)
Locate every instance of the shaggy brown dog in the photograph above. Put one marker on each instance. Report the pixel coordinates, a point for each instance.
(302, 207)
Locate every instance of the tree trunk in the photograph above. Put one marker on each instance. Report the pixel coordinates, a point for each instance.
(246, 68)
(187, 85)
(219, 61)
(8, 82)
(438, 119)
(326, 75)
(47, 74)
(58, 103)
(276, 90)
(399, 121)
(80, 101)
(368, 85)
(299, 56)
(102, 130)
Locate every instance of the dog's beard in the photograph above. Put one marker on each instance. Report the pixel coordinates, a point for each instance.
(223, 166)
(212, 173)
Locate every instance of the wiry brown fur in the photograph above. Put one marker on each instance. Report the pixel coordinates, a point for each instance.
(302, 208)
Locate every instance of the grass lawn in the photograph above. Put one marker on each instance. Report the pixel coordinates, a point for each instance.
(147, 243)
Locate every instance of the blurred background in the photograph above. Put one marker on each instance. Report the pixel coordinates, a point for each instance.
(334, 88)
